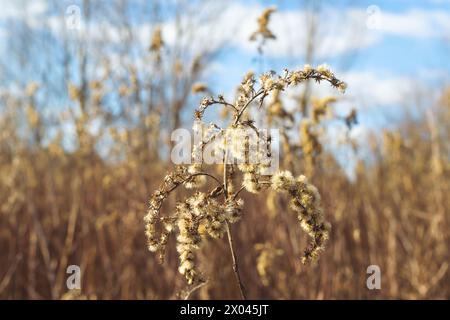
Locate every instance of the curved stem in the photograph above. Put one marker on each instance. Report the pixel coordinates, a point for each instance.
(206, 175)
(229, 235)
(235, 263)
(224, 103)
(246, 105)
(239, 191)
(195, 288)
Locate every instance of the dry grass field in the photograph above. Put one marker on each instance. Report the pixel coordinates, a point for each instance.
(76, 183)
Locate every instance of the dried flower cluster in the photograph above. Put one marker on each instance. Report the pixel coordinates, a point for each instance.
(351, 119)
(305, 200)
(263, 22)
(209, 214)
(197, 217)
(156, 43)
(301, 139)
(199, 88)
(78, 156)
(321, 108)
(310, 143)
(267, 255)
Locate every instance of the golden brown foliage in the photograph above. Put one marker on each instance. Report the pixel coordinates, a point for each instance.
(63, 205)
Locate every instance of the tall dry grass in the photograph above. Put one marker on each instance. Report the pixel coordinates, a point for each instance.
(61, 206)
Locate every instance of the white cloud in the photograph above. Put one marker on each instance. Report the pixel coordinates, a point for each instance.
(339, 32)
(371, 89)
(30, 10)
(416, 23)
(368, 89)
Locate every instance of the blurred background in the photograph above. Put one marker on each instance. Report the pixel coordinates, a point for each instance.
(90, 92)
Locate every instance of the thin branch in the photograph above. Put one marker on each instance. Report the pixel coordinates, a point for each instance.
(235, 263)
(227, 104)
(206, 175)
(239, 191)
(246, 106)
(229, 235)
(195, 288)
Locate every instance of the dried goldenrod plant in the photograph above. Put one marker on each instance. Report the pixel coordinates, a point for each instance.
(209, 214)
(302, 138)
(263, 25)
(267, 255)
(263, 33)
(77, 163)
(157, 43)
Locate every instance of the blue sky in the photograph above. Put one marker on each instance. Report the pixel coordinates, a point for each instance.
(409, 47)
(385, 50)
(411, 40)
(397, 50)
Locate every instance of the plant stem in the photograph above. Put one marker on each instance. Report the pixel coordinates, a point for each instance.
(246, 105)
(230, 237)
(195, 288)
(235, 263)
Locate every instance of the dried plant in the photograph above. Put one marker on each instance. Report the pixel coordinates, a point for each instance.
(267, 256)
(263, 25)
(203, 214)
(74, 184)
(263, 33)
(157, 43)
